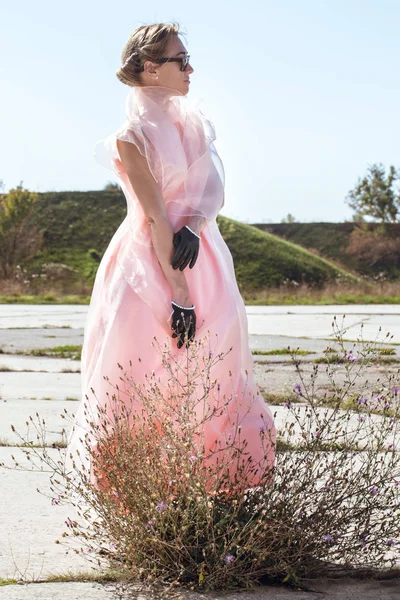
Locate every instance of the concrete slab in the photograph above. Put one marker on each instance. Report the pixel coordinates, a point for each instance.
(30, 338)
(56, 591)
(342, 589)
(317, 325)
(280, 378)
(274, 342)
(56, 386)
(17, 412)
(30, 524)
(40, 364)
(40, 315)
(298, 321)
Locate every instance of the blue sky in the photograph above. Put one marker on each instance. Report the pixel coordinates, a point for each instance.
(304, 94)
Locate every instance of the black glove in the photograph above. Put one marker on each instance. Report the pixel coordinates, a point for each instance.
(187, 244)
(183, 324)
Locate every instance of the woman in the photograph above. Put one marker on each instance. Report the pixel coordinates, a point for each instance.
(167, 273)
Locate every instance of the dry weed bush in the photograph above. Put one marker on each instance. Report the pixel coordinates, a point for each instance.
(375, 248)
(157, 505)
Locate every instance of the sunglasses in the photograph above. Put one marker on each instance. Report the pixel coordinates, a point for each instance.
(184, 60)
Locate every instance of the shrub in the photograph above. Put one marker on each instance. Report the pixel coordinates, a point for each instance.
(374, 248)
(160, 507)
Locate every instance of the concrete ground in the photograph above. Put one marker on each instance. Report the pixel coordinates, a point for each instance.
(321, 589)
(30, 524)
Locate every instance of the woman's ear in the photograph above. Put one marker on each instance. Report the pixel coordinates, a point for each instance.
(151, 69)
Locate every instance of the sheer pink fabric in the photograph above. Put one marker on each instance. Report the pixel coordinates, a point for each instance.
(131, 299)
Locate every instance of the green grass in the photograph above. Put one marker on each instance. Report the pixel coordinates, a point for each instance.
(341, 359)
(67, 351)
(279, 399)
(250, 298)
(247, 296)
(281, 351)
(387, 351)
(284, 446)
(95, 576)
(7, 581)
(44, 299)
(265, 256)
(71, 236)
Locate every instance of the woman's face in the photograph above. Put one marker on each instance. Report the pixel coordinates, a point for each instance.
(169, 74)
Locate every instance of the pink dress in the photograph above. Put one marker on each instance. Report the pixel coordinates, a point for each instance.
(131, 299)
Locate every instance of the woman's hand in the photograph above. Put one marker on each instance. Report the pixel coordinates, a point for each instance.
(187, 244)
(183, 323)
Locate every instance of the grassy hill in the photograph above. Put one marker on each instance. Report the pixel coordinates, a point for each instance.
(263, 260)
(330, 240)
(77, 227)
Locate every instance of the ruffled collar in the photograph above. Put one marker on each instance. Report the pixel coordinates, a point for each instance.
(141, 98)
(182, 122)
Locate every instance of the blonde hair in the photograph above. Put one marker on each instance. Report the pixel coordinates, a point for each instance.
(147, 42)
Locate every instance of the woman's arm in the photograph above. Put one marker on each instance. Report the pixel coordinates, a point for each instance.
(196, 224)
(153, 205)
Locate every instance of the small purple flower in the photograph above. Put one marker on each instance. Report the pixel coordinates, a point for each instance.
(68, 522)
(374, 490)
(391, 542)
(396, 390)
(288, 405)
(297, 389)
(229, 558)
(192, 458)
(262, 428)
(55, 500)
(113, 545)
(161, 506)
(350, 356)
(299, 528)
(328, 538)
(361, 417)
(150, 523)
(218, 386)
(363, 401)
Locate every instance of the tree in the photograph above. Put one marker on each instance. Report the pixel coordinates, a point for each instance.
(19, 240)
(376, 195)
(288, 219)
(112, 187)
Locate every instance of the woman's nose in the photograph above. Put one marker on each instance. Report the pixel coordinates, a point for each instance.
(190, 68)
